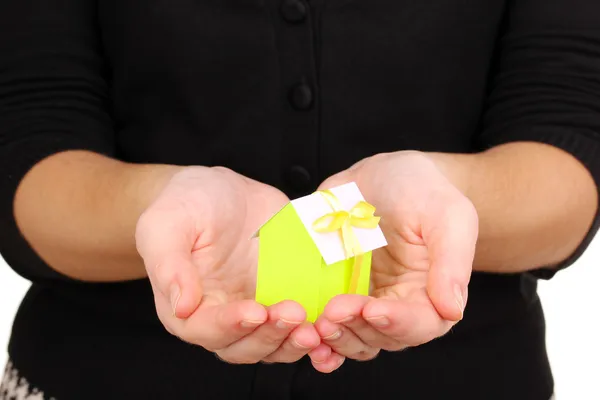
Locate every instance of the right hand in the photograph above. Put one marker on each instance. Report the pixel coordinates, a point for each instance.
(195, 243)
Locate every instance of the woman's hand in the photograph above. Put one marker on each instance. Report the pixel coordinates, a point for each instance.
(419, 281)
(195, 242)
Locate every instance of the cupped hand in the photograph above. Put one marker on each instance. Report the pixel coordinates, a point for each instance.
(419, 281)
(195, 242)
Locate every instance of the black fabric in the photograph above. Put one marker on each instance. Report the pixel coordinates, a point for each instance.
(273, 89)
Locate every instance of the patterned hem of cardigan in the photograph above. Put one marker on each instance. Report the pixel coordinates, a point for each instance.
(15, 387)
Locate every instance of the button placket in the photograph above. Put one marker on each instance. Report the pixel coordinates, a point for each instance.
(295, 33)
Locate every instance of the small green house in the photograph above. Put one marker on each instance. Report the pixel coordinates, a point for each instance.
(317, 247)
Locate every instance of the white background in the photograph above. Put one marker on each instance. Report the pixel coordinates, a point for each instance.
(571, 302)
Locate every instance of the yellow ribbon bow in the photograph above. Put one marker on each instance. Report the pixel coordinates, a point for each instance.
(362, 215)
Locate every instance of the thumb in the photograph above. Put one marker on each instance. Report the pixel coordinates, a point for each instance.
(450, 234)
(164, 241)
(343, 177)
(338, 179)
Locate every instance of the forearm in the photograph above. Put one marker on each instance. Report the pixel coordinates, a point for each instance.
(535, 203)
(78, 211)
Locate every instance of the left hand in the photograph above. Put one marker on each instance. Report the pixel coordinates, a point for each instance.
(419, 281)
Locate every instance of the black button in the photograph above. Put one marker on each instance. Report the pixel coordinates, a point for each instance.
(298, 178)
(301, 96)
(293, 10)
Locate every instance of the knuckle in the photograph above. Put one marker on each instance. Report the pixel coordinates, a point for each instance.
(287, 355)
(223, 357)
(206, 343)
(427, 335)
(414, 341)
(395, 347)
(211, 347)
(238, 359)
(163, 275)
(419, 340)
(366, 355)
(270, 338)
(286, 360)
(390, 344)
(402, 332)
(270, 359)
(351, 350)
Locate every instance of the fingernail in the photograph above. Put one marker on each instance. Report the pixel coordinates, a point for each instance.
(349, 318)
(285, 324)
(250, 323)
(174, 296)
(459, 299)
(320, 361)
(379, 321)
(334, 336)
(298, 345)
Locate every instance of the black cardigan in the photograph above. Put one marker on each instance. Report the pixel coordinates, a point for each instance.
(272, 89)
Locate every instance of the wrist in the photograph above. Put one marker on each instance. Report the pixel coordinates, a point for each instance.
(459, 169)
(144, 183)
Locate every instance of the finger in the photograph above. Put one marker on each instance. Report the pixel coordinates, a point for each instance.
(299, 343)
(320, 354)
(410, 324)
(450, 233)
(343, 341)
(164, 240)
(215, 324)
(333, 362)
(338, 179)
(347, 311)
(345, 306)
(283, 318)
(371, 337)
(177, 279)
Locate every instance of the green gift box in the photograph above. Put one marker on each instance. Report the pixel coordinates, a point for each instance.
(317, 247)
